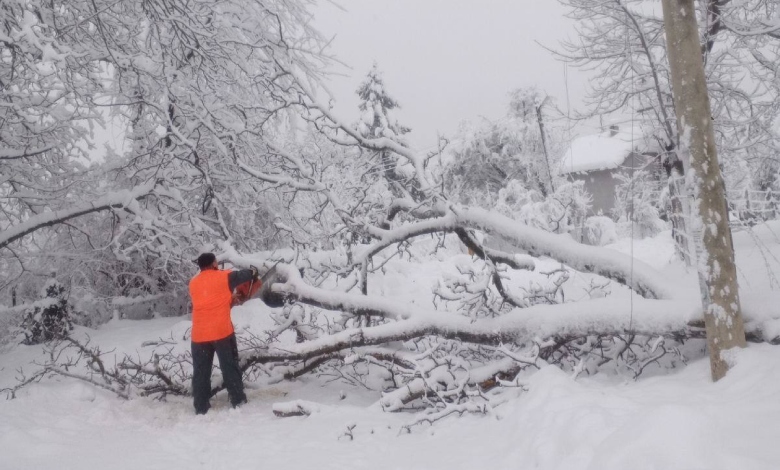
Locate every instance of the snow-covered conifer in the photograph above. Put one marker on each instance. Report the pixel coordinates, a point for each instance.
(377, 115)
(377, 120)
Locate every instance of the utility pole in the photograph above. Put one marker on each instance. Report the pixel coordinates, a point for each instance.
(709, 228)
(540, 119)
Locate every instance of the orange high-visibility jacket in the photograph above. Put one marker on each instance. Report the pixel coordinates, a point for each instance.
(211, 297)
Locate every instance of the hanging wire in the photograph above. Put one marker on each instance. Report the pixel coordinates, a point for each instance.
(631, 156)
(568, 118)
(571, 142)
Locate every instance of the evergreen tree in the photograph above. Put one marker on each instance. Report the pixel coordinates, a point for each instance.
(377, 120)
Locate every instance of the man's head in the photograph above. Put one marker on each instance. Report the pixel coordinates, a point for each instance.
(207, 261)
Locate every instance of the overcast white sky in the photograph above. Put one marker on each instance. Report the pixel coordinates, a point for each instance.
(448, 60)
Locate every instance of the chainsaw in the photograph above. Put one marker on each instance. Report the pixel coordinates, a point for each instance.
(261, 288)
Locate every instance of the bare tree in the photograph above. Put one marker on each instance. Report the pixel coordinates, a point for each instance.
(202, 93)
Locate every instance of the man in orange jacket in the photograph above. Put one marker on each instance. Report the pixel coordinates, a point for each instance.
(211, 291)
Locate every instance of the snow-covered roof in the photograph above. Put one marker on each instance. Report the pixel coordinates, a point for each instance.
(601, 151)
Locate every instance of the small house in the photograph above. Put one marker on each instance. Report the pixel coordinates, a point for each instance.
(598, 159)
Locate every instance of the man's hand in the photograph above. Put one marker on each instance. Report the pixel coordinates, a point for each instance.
(255, 273)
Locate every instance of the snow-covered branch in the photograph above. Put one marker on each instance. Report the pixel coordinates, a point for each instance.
(635, 274)
(117, 199)
(608, 263)
(601, 316)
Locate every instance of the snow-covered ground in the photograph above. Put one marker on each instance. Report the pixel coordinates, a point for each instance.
(676, 420)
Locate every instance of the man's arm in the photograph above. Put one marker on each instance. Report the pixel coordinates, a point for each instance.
(236, 278)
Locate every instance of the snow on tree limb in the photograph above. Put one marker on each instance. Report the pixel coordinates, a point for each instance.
(116, 199)
(416, 388)
(281, 179)
(581, 318)
(608, 263)
(514, 261)
(381, 143)
(635, 274)
(8, 154)
(405, 232)
(421, 211)
(763, 28)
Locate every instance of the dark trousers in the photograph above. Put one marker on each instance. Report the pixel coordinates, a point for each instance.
(202, 360)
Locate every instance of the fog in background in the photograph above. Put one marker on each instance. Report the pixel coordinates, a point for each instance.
(445, 61)
(449, 60)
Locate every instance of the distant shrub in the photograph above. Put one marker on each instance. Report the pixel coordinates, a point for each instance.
(561, 212)
(599, 230)
(49, 317)
(637, 202)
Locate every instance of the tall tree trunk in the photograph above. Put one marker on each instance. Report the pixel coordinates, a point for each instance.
(710, 230)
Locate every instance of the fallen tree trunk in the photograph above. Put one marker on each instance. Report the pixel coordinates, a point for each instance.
(650, 317)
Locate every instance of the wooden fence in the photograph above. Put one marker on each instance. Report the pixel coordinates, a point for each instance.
(747, 207)
(752, 206)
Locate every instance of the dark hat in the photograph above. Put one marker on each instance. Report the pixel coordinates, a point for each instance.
(206, 260)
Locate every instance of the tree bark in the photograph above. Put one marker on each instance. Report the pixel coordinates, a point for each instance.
(710, 230)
